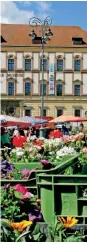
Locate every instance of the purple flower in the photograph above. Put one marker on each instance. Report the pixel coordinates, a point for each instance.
(26, 172)
(46, 164)
(6, 167)
(35, 215)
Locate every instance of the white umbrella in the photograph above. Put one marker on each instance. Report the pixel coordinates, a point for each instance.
(11, 121)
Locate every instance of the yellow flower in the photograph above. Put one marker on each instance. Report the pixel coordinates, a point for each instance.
(20, 226)
(68, 222)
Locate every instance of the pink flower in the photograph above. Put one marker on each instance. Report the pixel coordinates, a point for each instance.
(20, 188)
(27, 195)
(38, 201)
(84, 150)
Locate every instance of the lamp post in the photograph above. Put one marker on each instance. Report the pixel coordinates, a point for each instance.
(45, 36)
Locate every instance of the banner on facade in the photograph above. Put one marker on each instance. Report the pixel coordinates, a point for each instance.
(51, 79)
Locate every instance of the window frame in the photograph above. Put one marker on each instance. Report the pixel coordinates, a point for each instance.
(28, 59)
(77, 109)
(12, 93)
(59, 109)
(77, 69)
(60, 69)
(29, 111)
(77, 90)
(57, 89)
(12, 68)
(27, 94)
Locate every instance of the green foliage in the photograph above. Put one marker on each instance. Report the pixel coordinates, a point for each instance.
(83, 158)
(11, 205)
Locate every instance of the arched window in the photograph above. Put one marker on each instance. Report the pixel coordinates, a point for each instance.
(60, 63)
(27, 88)
(59, 89)
(77, 90)
(77, 63)
(11, 88)
(11, 63)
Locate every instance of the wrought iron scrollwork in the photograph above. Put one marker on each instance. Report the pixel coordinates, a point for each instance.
(36, 21)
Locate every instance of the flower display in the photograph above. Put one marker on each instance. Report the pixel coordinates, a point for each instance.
(21, 225)
(68, 222)
(65, 151)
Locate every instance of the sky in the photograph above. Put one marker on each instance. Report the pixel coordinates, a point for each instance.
(62, 12)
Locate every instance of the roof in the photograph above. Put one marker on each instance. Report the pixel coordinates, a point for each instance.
(18, 35)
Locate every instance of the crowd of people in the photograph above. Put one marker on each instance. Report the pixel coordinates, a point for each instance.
(16, 137)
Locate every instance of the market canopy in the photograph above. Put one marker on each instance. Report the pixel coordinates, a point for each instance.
(11, 121)
(67, 118)
(33, 121)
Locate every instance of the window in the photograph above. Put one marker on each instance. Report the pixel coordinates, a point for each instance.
(59, 112)
(44, 89)
(11, 88)
(59, 65)
(77, 41)
(77, 65)
(59, 90)
(27, 64)
(44, 64)
(27, 88)
(77, 112)
(27, 112)
(10, 64)
(76, 90)
(44, 112)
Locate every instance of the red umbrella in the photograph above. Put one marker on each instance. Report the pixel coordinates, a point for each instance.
(68, 118)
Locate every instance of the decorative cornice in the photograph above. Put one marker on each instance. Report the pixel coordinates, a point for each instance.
(27, 57)
(28, 79)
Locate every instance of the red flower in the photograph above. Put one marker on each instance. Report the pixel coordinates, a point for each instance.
(20, 188)
(18, 141)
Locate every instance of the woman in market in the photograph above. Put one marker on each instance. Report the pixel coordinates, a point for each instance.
(56, 133)
(19, 139)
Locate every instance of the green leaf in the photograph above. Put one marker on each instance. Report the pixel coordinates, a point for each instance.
(22, 236)
(36, 230)
(17, 194)
(36, 236)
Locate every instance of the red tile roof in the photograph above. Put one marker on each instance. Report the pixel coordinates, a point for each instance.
(18, 35)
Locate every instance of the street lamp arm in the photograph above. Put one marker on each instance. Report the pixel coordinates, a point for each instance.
(48, 21)
(35, 21)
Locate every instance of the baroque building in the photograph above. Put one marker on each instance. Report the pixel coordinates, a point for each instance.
(65, 72)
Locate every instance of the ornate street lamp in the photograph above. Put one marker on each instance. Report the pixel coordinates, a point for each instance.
(45, 36)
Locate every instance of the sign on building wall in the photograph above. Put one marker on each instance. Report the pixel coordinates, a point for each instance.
(51, 79)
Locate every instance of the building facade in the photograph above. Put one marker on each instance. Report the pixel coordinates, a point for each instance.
(21, 73)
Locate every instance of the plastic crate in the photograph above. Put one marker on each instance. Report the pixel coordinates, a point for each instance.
(31, 183)
(61, 195)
